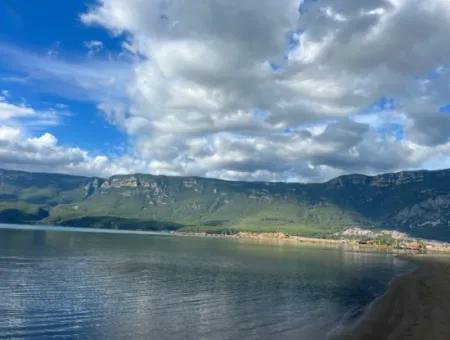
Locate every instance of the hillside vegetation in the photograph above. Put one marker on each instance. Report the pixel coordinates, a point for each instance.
(415, 202)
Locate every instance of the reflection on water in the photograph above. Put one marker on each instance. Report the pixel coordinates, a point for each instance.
(112, 286)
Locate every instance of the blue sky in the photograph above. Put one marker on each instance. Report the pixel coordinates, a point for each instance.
(305, 90)
(54, 27)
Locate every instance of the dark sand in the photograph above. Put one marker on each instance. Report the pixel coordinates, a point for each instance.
(416, 306)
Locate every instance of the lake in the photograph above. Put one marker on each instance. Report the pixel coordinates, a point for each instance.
(94, 285)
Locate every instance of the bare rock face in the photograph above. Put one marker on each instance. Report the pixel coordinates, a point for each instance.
(404, 177)
(121, 182)
(92, 187)
(190, 183)
(343, 181)
(153, 190)
(386, 180)
(432, 212)
(260, 195)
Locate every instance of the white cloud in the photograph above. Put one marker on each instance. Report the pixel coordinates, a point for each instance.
(25, 116)
(43, 153)
(23, 146)
(9, 133)
(93, 46)
(8, 111)
(205, 74)
(263, 89)
(79, 79)
(331, 13)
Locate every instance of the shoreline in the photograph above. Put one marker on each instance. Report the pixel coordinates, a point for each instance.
(415, 305)
(278, 240)
(409, 246)
(402, 245)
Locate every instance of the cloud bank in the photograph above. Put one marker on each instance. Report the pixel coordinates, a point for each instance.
(275, 90)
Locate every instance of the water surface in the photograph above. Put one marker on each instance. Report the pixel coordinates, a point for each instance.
(91, 285)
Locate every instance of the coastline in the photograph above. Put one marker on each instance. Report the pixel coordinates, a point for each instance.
(400, 245)
(415, 306)
(408, 246)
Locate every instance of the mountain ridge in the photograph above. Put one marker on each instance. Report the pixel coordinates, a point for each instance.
(415, 202)
(356, 174)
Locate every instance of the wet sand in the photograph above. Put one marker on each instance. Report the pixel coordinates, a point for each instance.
(416, 306)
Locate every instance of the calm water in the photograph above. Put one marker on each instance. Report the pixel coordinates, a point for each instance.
(111, 286)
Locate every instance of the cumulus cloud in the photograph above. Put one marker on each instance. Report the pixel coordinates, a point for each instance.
(22, 146)
(257, 89)
(42, 153)
(24, 115)
(8, 111)
(283, 90)
(426, 124)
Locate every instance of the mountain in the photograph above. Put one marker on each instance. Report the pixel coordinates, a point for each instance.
(415, 202)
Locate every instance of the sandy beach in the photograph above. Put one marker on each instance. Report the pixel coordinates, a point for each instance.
(416, 306)
(279, 238)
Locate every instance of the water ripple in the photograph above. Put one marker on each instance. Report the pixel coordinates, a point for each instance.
(112, 286)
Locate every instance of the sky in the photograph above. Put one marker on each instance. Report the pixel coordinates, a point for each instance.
(287, 90)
